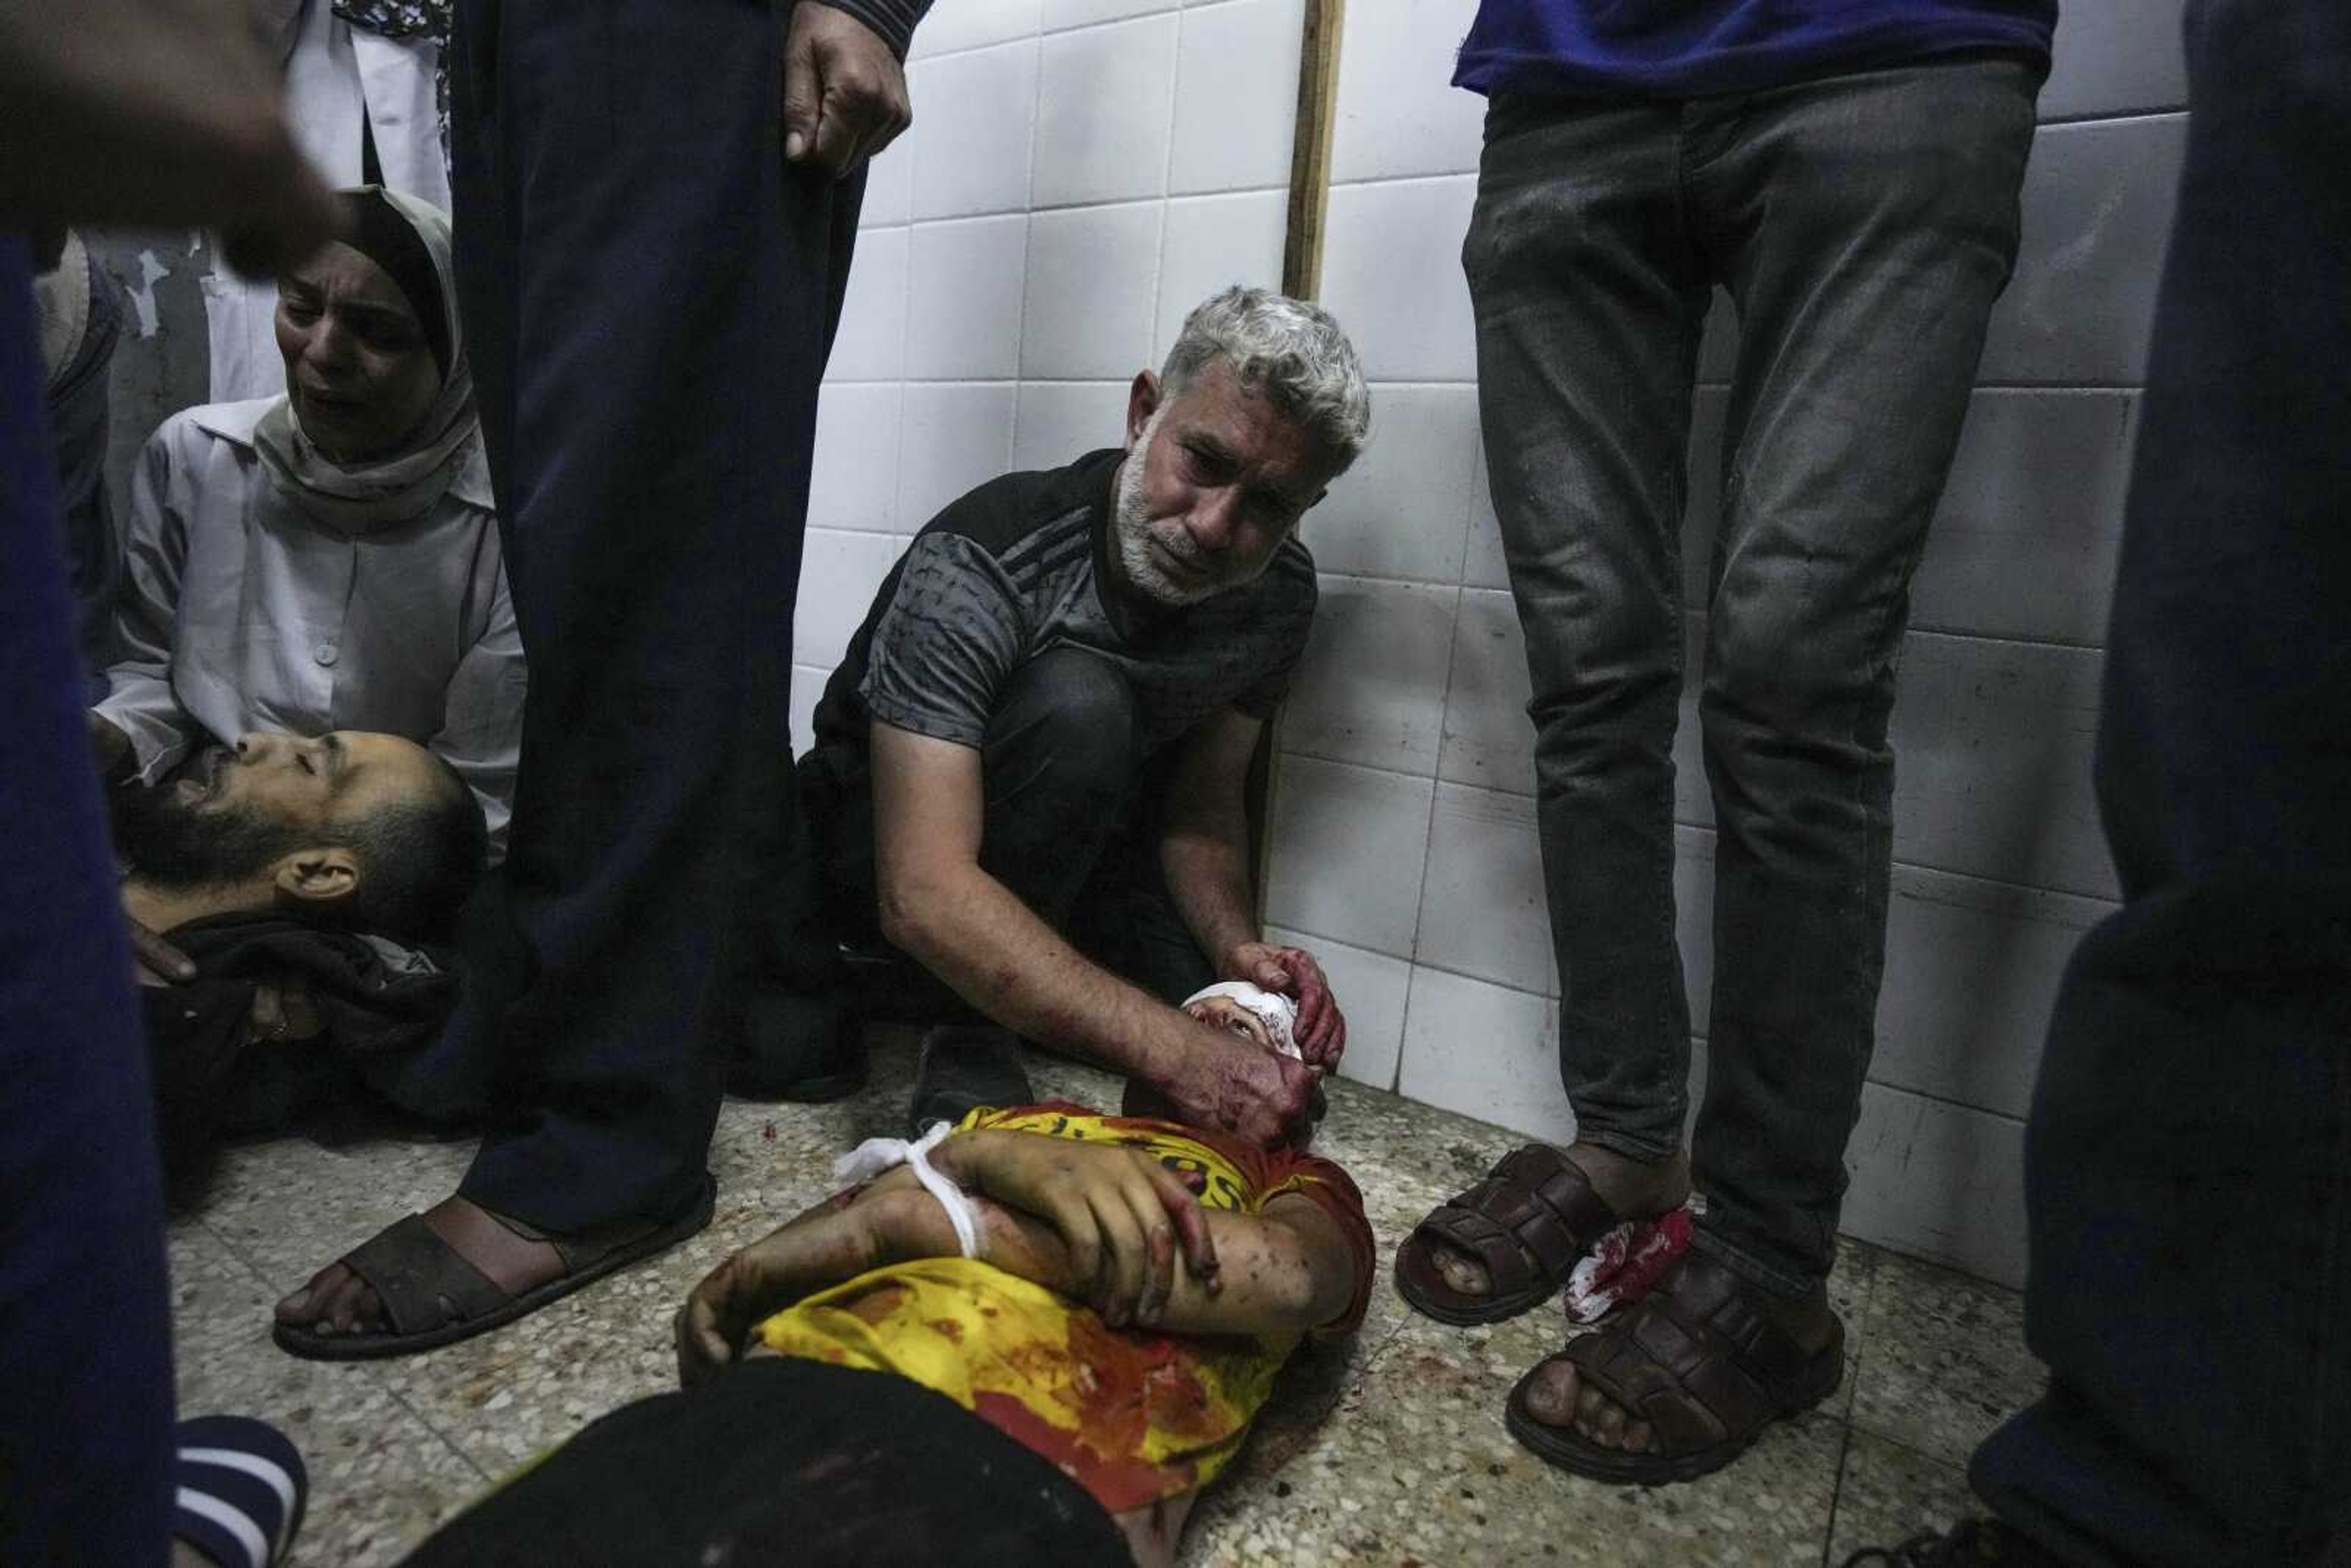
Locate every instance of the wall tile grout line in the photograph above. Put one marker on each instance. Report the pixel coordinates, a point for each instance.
(981, 214)
(1028, 239)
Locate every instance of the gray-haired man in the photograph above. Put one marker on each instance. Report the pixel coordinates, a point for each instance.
(1030, 767)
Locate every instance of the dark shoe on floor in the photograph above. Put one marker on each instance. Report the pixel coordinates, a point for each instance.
(1701, 1360)
(1971, 1541)
(1529, 1222)
(806, 1049)
(963, 1067)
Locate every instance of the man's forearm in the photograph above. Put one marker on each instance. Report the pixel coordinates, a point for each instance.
(975, 934)
(1206, 870)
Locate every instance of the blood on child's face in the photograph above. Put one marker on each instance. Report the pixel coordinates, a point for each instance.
(1228, 1015)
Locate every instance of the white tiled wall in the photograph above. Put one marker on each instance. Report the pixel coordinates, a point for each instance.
(1082, 171)
(1403, 819)
(1080, 174)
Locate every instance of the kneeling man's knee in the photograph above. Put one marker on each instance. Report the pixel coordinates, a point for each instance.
(1070, 712)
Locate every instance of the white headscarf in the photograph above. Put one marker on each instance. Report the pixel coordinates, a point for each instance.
(362, 498)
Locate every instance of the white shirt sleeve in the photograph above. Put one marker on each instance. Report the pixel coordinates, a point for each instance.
(140, 700)
(481, 731)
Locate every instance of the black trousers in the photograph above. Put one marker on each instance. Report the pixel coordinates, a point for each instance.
(1071, 826)
(649, 294)
(2189, 1156)
(785, 1464)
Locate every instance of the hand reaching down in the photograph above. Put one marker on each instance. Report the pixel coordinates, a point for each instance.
(1228, 1084)
(1320, 1032)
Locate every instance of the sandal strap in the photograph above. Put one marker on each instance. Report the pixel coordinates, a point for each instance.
(1478, 1235)
(1699, 1359)
(1545, 1205)
(421, 1281)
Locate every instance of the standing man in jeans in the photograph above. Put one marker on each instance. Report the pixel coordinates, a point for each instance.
(1849, 173)
(656, 201)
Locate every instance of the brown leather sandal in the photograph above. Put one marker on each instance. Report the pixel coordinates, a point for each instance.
(431, 1296)
(1701, 1361)
(1528, 1222)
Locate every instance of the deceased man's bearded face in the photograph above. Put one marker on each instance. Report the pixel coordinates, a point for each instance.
(238, 814)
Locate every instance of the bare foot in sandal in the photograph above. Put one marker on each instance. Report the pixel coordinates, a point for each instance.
(338, 1301)
(1556, 1397)
(1633, 1188)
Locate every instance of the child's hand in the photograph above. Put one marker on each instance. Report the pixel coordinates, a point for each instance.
(1120, 1213)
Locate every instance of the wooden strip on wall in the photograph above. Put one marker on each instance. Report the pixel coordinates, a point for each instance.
(1310, 150)
(1301, 279)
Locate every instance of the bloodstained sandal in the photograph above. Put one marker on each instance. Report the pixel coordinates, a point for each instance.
(1528, 1222)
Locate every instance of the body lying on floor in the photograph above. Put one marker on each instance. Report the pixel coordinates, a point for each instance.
(1129, 1291)
(308, 881)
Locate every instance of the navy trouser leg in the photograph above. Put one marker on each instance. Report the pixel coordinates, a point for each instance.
(85, 1337)
(2189, 1156)
(651, 292)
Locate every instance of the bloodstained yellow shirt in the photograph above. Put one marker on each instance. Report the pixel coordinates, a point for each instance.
(1130, 1415)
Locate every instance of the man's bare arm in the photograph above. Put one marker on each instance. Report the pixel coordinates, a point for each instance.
(1204, 842)
(941, 908)
(1204, 850)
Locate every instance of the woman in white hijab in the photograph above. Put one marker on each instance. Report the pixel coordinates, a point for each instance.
(327, 558)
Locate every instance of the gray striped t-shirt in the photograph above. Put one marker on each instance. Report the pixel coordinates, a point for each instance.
(1015, 568)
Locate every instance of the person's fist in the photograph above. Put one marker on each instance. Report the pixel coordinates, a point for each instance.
(844, 91)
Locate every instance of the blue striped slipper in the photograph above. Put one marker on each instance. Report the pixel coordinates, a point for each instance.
(242, 1487)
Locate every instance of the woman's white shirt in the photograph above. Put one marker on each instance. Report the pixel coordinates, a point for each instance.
(240, 611)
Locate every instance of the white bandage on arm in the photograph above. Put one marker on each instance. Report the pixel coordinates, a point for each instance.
(874, 1155)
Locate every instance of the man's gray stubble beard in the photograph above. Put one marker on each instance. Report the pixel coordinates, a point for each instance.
(1132, 533)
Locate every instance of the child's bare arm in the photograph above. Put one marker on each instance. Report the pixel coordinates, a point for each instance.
(1287, 1268)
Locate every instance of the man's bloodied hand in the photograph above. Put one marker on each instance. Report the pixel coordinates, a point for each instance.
(1230, 1085)
(1320, 1032)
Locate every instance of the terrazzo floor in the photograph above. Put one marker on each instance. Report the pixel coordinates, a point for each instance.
(1388, 1449)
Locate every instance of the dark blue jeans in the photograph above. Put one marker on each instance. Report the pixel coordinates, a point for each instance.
(1863, 226)
(2189, 1156)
